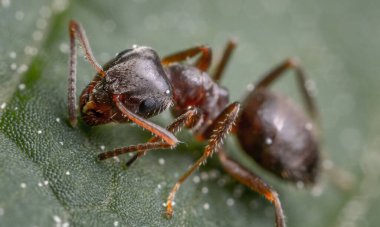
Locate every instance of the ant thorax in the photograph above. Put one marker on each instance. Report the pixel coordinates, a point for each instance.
(194, 88)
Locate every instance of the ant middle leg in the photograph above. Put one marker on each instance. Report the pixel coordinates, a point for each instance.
(77, 31)
(203, 63)
(303, 83)
(223, 62)
(221, 129)
(187, 119)
(254, 182)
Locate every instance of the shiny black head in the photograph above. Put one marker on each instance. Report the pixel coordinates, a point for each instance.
(138, 75)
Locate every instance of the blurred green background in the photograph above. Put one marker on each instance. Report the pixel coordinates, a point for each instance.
(48, 171)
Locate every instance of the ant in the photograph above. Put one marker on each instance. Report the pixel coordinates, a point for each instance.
(137, 84)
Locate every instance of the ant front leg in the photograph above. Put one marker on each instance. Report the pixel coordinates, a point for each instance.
(222, 127)
(303, 81)
(77, 31)
(187, 119)
(162, 133)
(254, 182)
(203, 62)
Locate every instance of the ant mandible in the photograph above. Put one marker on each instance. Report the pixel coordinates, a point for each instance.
(137, 85)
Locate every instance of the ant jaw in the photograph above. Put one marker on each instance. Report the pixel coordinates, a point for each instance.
(90, 105)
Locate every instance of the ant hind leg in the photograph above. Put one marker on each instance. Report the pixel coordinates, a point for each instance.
(303, 83)
(254, 182)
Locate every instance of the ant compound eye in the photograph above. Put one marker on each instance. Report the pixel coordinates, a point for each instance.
(148, 106)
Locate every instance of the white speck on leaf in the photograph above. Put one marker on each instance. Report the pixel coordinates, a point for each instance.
(13, 66)
(196, 179)
(59, 5)
(23, 68)
(57, 219)
(327, 164)
(45, 11)
(250, 87)
(230, 202)
(37, 35)
(21, 87)
(12, 55)
(316, 191)
(29, 50)
(64, 48)
(41, 23)
(19, 15)
(5, 3)
(300, 184)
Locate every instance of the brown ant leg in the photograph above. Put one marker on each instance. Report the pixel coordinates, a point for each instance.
(187, 119)
(203, 62)
(139, 148)
(76, 30)
(222, 128)
(306, 90)
(223, 62)
(168, 137)
(254, 182)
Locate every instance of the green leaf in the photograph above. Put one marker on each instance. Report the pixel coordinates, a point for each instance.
(49, 173)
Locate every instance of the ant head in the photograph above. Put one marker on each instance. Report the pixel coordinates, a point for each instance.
(138, 74)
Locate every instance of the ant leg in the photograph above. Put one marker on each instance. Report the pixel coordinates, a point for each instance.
(222, 128)
(303, 82)
(254, 182)
(186, 119)
(203, 62)
(223, 62)
(139, 148)
(168, 137)
(189, 119)
(76, 30)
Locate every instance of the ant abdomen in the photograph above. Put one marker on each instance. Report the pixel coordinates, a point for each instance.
(279, 136)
